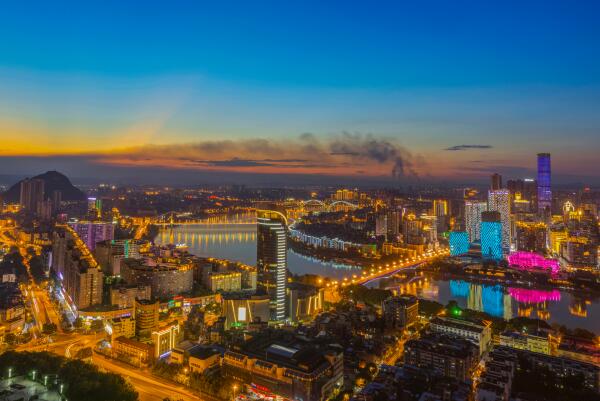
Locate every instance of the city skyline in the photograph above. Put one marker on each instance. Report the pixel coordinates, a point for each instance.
(395, 94)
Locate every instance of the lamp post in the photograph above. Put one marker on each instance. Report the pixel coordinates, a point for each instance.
(235, 387)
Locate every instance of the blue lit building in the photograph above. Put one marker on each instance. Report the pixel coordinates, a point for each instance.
(459, 242)
(491, 236)
(544, 191)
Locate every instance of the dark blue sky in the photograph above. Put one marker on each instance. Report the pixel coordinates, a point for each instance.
(517, 77)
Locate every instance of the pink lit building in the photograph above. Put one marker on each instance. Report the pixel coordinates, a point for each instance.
(530, 260)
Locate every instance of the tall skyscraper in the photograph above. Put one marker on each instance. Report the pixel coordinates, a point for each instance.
(473, 210)
(394, 219)
(32, 193)
(499, 201)
(544, 190)
(459, 242)
(491, 235)
(271, 258)
(442, 212)
(95, 207)
(496, 181)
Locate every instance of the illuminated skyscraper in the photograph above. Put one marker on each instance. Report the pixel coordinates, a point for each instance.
(95, 207)
(473, 210)
(459, 242)
(271, 258)
(440, 210)
(499, 201)
(491, 235)
(544, 197)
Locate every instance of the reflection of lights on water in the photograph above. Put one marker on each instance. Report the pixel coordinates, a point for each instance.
(337, 266)
(579, 307)
(528, 296)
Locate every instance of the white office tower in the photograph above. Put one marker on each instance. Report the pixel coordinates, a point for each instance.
(271, 258)
(473, 210)
(499, 201)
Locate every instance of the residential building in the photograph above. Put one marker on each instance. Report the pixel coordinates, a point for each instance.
(533, 341)
(92, 232)
(446, 356)
(478, 333)
(166, 276)
(401, 311)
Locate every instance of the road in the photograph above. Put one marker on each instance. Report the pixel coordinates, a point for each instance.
(149, 387)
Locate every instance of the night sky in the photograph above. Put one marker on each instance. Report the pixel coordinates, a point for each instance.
(431, 91)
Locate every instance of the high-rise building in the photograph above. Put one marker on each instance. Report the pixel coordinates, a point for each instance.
(442, 212)
(394, 219)
(544, 197)
(459, 242)
(146, 317)
(79, 272)
(491, 235)
(473, 210)
(271, 258)
(92, 232)
(499, 201)
(95, 207)
(109, 254)
(381, 225)
(531, 236)
(496, 182)
(400, 311)
(32, 193)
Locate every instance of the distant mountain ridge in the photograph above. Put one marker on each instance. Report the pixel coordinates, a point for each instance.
(53, 181)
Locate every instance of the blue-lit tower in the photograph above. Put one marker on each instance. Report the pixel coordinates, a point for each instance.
(459, 242)
(544, 190)
(491, 235)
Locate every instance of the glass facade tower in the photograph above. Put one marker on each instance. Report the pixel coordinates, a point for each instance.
(271, 258)
(544, 191)
(491, 236)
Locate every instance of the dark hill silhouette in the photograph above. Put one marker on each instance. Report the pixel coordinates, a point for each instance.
(53, 181)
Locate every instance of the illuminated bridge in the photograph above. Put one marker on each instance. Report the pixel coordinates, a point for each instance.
(316, 205)
(388, 270)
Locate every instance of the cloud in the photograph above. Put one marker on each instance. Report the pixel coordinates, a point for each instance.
(342, 154)
(467, 147)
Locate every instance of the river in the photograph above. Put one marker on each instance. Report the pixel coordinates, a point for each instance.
(238, 242)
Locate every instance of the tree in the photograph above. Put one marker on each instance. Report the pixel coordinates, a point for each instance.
(49, 328)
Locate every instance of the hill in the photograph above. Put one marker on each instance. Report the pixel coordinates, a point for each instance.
(53, 181)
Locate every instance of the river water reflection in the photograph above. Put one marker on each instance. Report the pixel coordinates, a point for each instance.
(238, 242)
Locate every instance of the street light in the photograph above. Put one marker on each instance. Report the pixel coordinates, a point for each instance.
(235, 387)
(9, 373)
